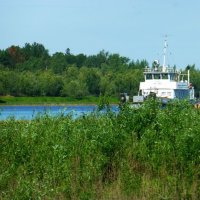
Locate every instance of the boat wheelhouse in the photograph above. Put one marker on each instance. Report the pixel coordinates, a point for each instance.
(165, 82)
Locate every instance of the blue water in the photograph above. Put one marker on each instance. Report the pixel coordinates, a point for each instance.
(30, 112)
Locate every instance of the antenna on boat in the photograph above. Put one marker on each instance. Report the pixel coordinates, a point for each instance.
(164, 54)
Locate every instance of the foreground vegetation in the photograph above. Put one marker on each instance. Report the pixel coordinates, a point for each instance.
(148, 153)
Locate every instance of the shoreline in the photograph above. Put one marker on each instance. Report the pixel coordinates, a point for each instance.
(52, 101)
(90, 104)
(70, 104)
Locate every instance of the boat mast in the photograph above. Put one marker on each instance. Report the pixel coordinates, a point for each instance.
(164, 55)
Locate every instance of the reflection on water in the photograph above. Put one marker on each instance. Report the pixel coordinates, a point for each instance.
(30, 112)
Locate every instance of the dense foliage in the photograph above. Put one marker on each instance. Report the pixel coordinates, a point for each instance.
(31, 71)
(148, 153)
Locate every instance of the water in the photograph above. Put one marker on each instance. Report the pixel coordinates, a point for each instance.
(30, 112)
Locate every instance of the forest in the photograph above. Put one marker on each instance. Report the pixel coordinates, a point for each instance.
(31, 71)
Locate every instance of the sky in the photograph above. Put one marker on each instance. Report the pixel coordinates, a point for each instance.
(132, 28)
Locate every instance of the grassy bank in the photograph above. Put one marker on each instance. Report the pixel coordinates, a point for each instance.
(9, 100)
(149, 153)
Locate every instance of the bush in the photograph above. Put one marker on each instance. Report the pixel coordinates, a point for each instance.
(144, 153)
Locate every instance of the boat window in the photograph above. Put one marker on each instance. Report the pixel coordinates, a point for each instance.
(149, 76)
(169, 93)
(171, 76)
(164, 76)
(181, 94)
(156, 76)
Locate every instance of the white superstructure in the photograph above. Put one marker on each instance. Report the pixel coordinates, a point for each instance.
(166, 82)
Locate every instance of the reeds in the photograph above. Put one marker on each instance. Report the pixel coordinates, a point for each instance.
(148, 153)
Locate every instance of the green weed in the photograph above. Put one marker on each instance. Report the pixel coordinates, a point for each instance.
(146, 153)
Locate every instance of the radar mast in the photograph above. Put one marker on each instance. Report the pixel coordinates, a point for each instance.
(164, 55)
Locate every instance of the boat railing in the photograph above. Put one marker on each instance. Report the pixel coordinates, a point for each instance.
(147, 69)
(170, 69)
(160, 69)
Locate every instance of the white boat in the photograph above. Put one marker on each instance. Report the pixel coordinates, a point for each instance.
(165, 82)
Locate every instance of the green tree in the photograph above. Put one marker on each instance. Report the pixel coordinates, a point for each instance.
(58, 63)
(74, 88)
(107, 86)
(33, 64)
(95, 61)
(50, 84)
(117, 62)
(29, 84)
(5, 59)
(35, 50)
(91, 77)
(194, 78)
(71, 73)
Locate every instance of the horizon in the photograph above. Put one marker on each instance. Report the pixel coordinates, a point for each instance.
(103, 50)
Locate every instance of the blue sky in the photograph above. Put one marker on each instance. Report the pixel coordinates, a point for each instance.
(132, 28)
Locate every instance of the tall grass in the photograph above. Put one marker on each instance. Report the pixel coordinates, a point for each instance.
(148, 153)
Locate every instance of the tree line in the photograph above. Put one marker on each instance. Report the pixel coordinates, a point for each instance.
(31, 71)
